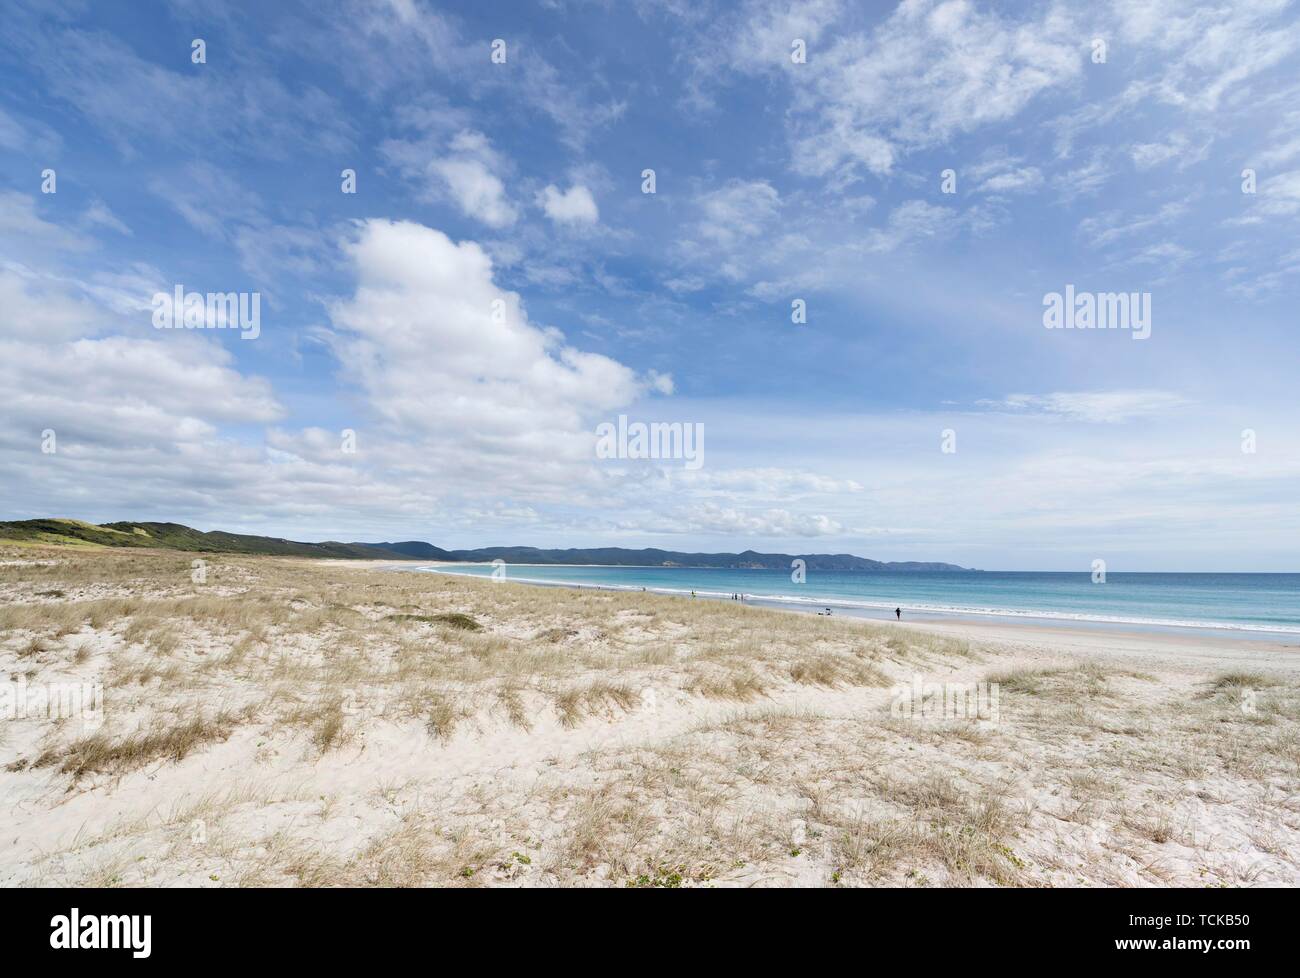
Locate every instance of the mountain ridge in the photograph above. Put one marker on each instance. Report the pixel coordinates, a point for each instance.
(655, 557)
(177, 536)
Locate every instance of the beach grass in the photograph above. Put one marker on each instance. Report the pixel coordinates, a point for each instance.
(398, 728)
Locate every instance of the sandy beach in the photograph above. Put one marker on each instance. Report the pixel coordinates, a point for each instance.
(284, 722)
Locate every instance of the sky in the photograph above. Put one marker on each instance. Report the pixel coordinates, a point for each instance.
(859, 214)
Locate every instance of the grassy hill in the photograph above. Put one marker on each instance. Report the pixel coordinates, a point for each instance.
(175, 536)
(652, 557)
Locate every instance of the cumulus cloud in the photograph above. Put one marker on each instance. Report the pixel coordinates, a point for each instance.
(573, 206)
(464, 169)
(55, 370)
(777, 523)
(445, 353)
(468, 172)
(36, 309)
(712, 518)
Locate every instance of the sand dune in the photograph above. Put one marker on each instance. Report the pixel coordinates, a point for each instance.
(290, 722)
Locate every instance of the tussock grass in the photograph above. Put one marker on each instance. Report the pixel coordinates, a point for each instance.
(831, 670)
(328, 726)
(557, 634)
(577, 703)
(441, 716)
(170, 741)
(1084, 754)
(742, 686)
(1079, 680)
(510, 699)
(1024, 680)
(450, 619)
(1231, 682)
(964, 829)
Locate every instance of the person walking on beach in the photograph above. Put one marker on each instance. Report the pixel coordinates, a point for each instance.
(898, 613)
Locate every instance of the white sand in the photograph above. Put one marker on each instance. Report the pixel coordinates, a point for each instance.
(1130, 771)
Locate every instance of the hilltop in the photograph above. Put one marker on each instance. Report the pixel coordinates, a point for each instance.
(176, 536)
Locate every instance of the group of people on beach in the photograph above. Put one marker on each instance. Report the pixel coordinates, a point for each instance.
(898, 612)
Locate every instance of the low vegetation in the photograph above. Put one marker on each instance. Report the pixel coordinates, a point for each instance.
(322, 723)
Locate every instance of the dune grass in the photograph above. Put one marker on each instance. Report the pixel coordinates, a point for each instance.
(507, 735)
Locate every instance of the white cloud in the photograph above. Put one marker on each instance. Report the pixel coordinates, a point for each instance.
(209, 199)
(1215, 49)
(27, 135)
(765, 39)
(932, 70)
(468, 172)
(911, 221)
(1168, 254)
(22, 229)
(1178, 147)
(1085, 180)
(573, 206)
(1110, 407)
(767, 481)
(774, 523)
(1279, 196)
(1282, 153)
(465, 169)
(233, 102)
(1112, 226)
(734, 237)
(453, 362)
(115, 390)
(98, 214)
(997, 172)
(739, 209)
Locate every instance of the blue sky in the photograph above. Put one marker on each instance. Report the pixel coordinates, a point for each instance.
(520, 183)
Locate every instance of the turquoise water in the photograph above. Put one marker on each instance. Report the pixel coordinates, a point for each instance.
(1262, 605)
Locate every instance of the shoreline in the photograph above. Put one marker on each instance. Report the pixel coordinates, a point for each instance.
(329, 724)
(1027, 622)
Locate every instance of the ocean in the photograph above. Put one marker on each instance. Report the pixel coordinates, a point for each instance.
(1249, 605)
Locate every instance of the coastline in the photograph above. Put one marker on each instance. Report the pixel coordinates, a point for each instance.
(1047, 621)
(329, 723)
